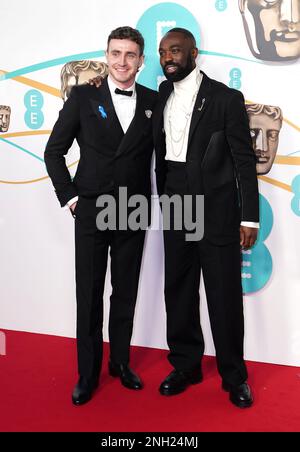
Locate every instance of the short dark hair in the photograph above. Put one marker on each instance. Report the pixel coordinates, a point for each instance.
(185, 32)
(128, 33)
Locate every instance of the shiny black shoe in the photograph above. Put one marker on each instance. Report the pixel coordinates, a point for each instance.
(128, 378)
(178, 380)
(83, 390)
(239, 395)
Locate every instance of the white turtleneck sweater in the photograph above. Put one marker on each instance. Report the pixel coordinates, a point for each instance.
(178, 113)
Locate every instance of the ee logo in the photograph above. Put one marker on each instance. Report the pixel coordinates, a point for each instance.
(235, 78)
(221, 5)
(34, 117)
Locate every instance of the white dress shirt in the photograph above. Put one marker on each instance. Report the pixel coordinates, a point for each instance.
(124, 105)
(125, 110)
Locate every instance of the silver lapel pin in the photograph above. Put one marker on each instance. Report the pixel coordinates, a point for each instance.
(202, 104)
(148, 113)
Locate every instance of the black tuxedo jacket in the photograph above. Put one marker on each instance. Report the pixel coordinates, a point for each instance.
(220, 161)
(108, 157)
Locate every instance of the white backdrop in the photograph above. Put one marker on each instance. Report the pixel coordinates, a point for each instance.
(37, 291)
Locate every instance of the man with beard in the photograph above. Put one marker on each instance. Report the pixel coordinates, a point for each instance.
(203, 147)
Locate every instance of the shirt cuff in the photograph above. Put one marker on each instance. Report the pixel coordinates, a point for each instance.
(70, 202)
(250, 224)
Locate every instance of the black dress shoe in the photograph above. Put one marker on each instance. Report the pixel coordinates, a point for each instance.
(128, 378)
(83, 390)
(239, 395)
(178, 380)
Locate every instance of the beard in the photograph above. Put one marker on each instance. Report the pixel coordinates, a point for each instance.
(182, 71)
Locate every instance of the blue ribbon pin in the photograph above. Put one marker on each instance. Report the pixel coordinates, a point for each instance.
(102, 112)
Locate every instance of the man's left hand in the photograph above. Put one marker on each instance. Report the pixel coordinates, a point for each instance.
(97, 81)
(248, 236)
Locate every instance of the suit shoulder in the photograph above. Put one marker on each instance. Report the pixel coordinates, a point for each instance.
(223, 90)
(148, 95)
(164, 85)
(84, 90)
(148, 91)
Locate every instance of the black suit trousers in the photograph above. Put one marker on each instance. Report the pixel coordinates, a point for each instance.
(221, 269)
(91, 254)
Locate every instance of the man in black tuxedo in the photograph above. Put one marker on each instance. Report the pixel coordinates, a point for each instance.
(203, 147)
(113, 127)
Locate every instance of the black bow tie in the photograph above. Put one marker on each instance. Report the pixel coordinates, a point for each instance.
(125, 93)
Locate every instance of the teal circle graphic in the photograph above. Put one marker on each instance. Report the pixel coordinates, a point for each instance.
(266, 219)
(153, 25)
(256, 268)
(257, 264)
(33, 100)
(295, 203)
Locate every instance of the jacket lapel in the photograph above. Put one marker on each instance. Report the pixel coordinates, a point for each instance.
(103, 107)
(158, 126)
(201, 103)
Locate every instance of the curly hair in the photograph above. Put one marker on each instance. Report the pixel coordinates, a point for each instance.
(5, 107)
(128, 33)
(256, 109)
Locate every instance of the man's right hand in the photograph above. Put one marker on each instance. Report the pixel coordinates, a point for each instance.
(97, 81)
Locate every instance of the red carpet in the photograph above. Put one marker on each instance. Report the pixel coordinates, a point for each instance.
(38, 372)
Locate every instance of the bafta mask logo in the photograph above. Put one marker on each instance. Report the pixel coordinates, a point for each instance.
(5, 112)
(79, 72)
(265, 124)
(272, 28)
